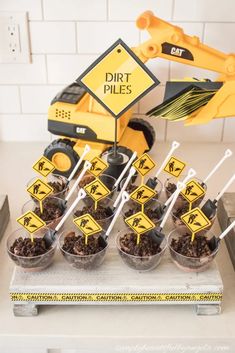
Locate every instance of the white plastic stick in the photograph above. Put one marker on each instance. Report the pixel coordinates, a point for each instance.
(87, 165)
(226, 186)
(227, 230)
(190, 174)
(174, 146)
(130, 175)
(228, 153)
(125, 169)
(86, 150)
(81, 195)
(180, 187)
(125, 198)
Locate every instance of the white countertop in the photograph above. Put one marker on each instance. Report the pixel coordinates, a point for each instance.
(113, 328)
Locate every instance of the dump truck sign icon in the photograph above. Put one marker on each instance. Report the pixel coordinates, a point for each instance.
(174, 167)
(44, 166)
(40, 190)
(31, 222)
(87, 225)
(98, 166)
(144, 164)
(142, 194)
(140, 223)
(193, 191)
(195, 220)
(118, 79)
(97, 190)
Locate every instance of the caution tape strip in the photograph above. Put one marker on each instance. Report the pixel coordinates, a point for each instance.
(116, 297)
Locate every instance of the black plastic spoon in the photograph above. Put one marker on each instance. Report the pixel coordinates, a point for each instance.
(214, 241)
(210, 207)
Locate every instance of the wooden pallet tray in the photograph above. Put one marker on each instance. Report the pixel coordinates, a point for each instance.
(115, 284)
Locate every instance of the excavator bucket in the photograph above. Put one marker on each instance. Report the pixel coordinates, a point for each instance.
(184, 98)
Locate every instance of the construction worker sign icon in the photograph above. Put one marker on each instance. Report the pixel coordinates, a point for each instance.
(193, 191)
(140, 223)
(144, 164)
(31, 222)
(44, 166)
(98, 166)
(174, 167)
(195, 220)
(87, 225)
(97, 190)
(142, 194)
(40, 190)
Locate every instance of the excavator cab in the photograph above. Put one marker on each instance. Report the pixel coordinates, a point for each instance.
(79, 119)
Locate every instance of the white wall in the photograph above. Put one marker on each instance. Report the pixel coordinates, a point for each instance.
(67, 35)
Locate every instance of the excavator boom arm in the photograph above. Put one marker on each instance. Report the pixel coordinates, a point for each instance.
(170, 42)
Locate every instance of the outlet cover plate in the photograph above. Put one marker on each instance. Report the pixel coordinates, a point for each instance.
(14, 38)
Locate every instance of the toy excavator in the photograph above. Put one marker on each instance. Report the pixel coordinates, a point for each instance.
(79, 118)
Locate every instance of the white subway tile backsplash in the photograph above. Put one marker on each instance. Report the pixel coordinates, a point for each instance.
(218, 36)
(23, 128)
(36, 99)
(75, 10)
(104, 34)
(64, 69)
(52, 37)
(32, 73)
(210, 132)
(152, 99)
(9, 99)
(229, 130)
(180, 71)
(33, 7)
(204, 10)
(129, 10)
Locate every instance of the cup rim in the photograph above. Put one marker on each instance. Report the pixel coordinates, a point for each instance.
(135, 256)
(189, 257)
(49, 197)
(74, 255)
(181, 178)
(53, 246)
(66, 188)
(102, 219)
(159, 182)
(153, 199)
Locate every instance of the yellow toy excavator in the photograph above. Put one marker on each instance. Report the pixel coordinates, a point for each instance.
(79, 119)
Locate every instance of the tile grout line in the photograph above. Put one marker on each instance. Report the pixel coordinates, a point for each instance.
(173, 10)
(76, 36)
(42, 8)
(20, 99)
(222, 131)
(107, 10)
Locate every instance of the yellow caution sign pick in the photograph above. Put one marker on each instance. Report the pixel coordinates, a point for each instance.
(98, 166)
(118, 79)
(193, 191)
(174, 167)
(195, 220)
(31, 222)
(87, 225)
(142, 194)
(39, 189)
(144, 164)
(97, 190)
(140, 224)
(44, 166)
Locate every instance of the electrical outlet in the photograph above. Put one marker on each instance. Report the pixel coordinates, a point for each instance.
(14, 37)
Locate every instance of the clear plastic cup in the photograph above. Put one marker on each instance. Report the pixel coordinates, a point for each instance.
(85, 262)
(107, 180)
(178, 223)
(185, 263)
(54, 178)
(156, 217)
(132, 185)
(103, 222)
(140, 263)
(33, 263)
(33, 206)
(181, 202)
